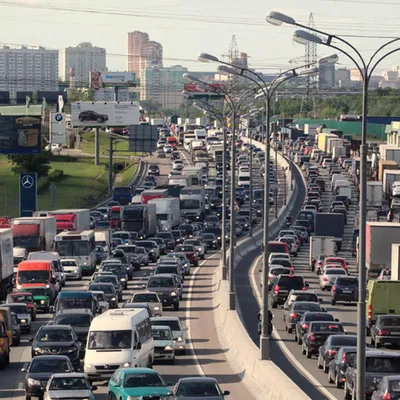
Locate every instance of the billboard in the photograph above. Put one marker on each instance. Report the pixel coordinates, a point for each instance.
(143, 138)
(20, 134)
(100, 79)
(58, 128)
(101, 114)
(193, 88)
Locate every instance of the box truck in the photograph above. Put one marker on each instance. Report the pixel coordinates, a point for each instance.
(390, 176)
(375, 194)
(330, 224)
(68, 219)
(321, 245)
(192, 202)
(6, 262)
(384, 165)
(103, 238)
(168, 212)
(151, 194)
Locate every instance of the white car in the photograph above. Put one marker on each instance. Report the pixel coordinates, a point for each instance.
(71, 268)
(54, 148)
(178, 332)
(396, 191)
(168, 149)
(73, 385)
(327, 279)
(151, 298)
(273, 256)
(174, 173)
(177, 165)
(101, 298)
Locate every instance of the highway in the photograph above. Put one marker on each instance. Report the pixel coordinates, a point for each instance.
(203, 356)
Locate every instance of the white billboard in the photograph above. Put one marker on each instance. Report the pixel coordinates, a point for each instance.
(96, 114)
(100, 79)
(58, 128)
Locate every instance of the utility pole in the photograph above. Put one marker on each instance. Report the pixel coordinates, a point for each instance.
(110, 167)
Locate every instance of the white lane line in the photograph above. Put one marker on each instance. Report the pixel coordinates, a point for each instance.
(184, 156)
(188, 312)
(280, 342)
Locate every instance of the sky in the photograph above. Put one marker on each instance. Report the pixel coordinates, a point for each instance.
(187, 27)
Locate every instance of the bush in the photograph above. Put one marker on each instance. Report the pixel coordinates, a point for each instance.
(56, 176)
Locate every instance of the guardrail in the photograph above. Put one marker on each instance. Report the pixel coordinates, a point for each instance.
(263, 378)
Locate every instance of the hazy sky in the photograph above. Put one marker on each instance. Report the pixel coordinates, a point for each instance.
(186, 28)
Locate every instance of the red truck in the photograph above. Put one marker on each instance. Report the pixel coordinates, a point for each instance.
(115, 218)
(151, 194)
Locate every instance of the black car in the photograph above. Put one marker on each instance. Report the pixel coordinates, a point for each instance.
(296, 310)
(179, 236)
(217, 231)
(388, 388)
(57, 340)
(168, 239)
(327, 351)
(109, 292)
(386, 330)
(316, 335)
(91, 115)
(161, 245)
(338, 366)
(39, 371)
(345, 288)
(154, 169)
(167, 289)
(283, 285)
(210, 240)
(304, 322)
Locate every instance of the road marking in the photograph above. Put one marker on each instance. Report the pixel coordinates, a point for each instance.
(280, 342)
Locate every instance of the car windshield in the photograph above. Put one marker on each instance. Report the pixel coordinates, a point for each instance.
(161, 334)
(75, 302)
(181, 256)
(164, 235)
(46, 364)
(38, 291)
(74, 320)
(68, 263)
(383, 365)
(173, 324)
(106, 279)
(185, 248)
(54, 335)
(326, 328)
(208, 236)
(145, 298)
(341, 341)
(20, 298)
(198, 389)
(161, 282)
(166, 270)
(389, 321)
(143, 380)
(304, 297)
(70, 383)
(33, 276)
(19, 309)
(347, 281)
(109, 289)
(302, 306)
(291, 282)
(318, 317)
(335, 271)
(109, 340)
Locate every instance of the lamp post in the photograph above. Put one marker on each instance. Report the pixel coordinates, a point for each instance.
(267, 92)
(366, 69)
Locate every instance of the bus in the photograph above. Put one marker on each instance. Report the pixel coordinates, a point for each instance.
(122, 194)
(79, 245)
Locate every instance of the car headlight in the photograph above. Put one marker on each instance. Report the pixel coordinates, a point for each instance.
(156, 308)
(123, 280)
(23, 320)
(72, 350)
(87, 366)
(38, 350)
(214, 241)
(33, 382)
(113, 299)
(19, 287)
(168, 348)
(47, 286)
(41, 301)
(179, 339)
(173, 294)
(127, 364)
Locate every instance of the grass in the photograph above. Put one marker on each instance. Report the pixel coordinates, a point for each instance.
(84, 184)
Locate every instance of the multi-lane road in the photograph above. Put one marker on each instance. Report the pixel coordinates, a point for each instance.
(203, 357)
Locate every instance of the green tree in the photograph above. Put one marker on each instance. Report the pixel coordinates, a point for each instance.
(39, 163)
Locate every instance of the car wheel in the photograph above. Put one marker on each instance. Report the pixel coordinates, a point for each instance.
(296, 338)
(308, 353)
(338, 384)
(326, 368)
(28, 397)
(176, 307)
(333, 302)
(378, 345)
(346, 393)
(319, 365)
(274, 305)
(372, 341)
(202, 257)
(303, 350)
(330, 380)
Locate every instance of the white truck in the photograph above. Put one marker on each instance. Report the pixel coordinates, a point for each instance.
(321, 245)
(200, 134)
(168, 212)
(157, 121)
(338, 151)
(6, 262)
(196, 171)
(103, 238)
(390, 176)
(68, 219)
(34, 233)
(374, 194)
(332, 143)
(192, 202)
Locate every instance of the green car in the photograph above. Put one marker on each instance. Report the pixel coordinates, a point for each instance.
(133, 383)
(41, 297)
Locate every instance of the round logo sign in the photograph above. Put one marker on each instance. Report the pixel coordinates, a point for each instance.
(58, 117)
(27, 182)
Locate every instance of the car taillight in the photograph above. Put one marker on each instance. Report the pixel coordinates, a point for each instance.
(312, 338)
(303, 288)
(333, 288)
(277, 289)
(370, 312)
(344, 358)
(332, 352)
(382, 332)
(325, 279)
(305, 326)
(293, 315)
(386, 396)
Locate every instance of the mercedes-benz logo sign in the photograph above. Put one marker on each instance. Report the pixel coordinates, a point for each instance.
(27, 182)
(58, 117)
(106, 366)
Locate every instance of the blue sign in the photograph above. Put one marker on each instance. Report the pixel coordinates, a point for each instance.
(27, 194)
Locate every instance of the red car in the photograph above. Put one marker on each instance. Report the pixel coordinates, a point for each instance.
(336, 260)
(23, 297)
(190, 253)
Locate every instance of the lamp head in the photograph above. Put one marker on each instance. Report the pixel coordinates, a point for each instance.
(276, 18)
(225, 70)
(309, 72)
(331, 59)
(205, 57)
(189, 78)
(304, 37)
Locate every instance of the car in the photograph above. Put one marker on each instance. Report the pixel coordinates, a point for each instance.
(292, 243)
(151, 247)
(304, 322)
(144, 305)
(137, 383)
(385, 330)
(197, 388)
(385, 275)
(23, 297)
(185, 263)
(71, 268)
(178, 165)
(328, 277)
(168, 238)
(295, 311)
(344, 288)
(210, 240)
(91, 115)
(327, 351)
(154, 169)
(211, 220)
(178, 331)
(69, 385)
(161, 244)
(388, 388)
(109, 292)
(40, 370)
(42, 297)
(57, 339)
(167, 288)
(337, 367)
(198, 244)
(164, 348)
(274, 271)
(190, 252)
(175, 155)
(130, 253)
(102, 300)
(23, 315)
(54, 147)
(151, 298)
(115, 280)
(317, 333)
(160, 153)
(173, 173)
(284, 284)
(101, 253)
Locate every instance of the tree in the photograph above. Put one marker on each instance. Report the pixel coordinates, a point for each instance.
(34, 163)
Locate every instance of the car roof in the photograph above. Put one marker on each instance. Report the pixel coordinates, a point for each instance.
(51, 357)
(74, 311)
(68, 294)
(14, 304)
(198, 379)
(55, 327)
(69, 375)
(165, 318)
(163, 276)
(302, 292)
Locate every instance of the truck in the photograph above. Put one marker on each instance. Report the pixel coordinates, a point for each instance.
(321, 245)
(157, 121)
(6, 262)
(103, 238)
(196, 145)
(338, 151)
(122, 194)
(168, 212)
(151, 194)
(390, 176)
(200, 134)
(214, 149)
(140, 218)
(68, 219)
(323, 140)
(333, 142)
(196, 172)
(34, 233)
(330, 224)
(384, 165)
(192, 203)
(374, 194)
(379, 239)
(173, 190)
(389, 152)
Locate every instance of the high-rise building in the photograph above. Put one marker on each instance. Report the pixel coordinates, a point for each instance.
(28, 69)
(143, 52)
(326, 75)
(82, 59)
(163, 85)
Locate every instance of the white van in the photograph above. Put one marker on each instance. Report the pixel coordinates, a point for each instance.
(243, 177)
(118, 338)
(51, 256)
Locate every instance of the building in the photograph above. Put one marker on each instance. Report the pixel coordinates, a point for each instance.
(81, 60)
(163, 85)
(142, 52)
(355, 75)
(326, 78)
(391, 75)
(28, 69)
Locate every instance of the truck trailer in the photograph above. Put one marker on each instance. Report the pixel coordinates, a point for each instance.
(6, 262)
(321, 245)
(140, 218)
(68, 219)
(168, 212)
(330, 224)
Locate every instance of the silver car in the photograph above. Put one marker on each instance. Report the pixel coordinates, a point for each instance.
(142, 254)
(197, 388)
(327, 279)
(69, 386)
(385, 275)
(151, 298)
(178, 331)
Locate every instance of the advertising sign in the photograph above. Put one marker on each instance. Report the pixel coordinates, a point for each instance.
(102, 114)
(27, 194)
(143, 138)
(100, 79)
(58, 128)
(193, 88)
(20, 134)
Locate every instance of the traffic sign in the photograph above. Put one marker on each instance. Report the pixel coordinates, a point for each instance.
(27, 194)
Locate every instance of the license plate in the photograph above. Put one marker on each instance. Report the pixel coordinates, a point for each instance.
(157, 354)
(395, 333)
(164, 300)
(347, 291)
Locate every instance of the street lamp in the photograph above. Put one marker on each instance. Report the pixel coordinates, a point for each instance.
(366, 69)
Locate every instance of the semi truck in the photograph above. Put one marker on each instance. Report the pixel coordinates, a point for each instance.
(379, 239)
(151, 194)
(323, 140)
(168, 212)
(337, 152)
(321, 245)
(330, 224)
(192, 202)
(173, 190)
(34, 233)
(140, 218)
(6, 262)
(68, 219)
